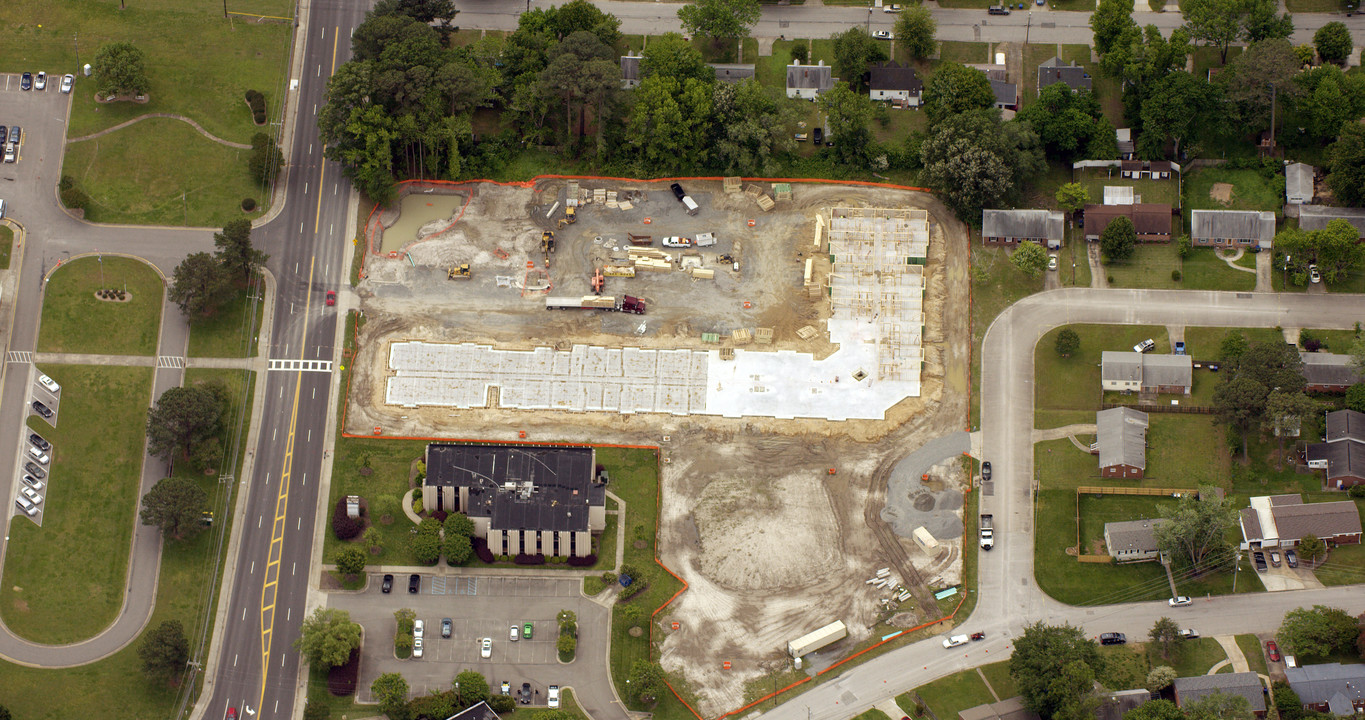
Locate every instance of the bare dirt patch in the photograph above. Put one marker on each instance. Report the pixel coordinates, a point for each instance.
(1221, 192)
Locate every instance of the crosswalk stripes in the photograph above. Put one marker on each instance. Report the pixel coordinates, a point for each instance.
(304, 365)
(19, 356)
(169, 361)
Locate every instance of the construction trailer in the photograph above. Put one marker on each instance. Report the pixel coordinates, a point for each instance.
(810, 642)
(625, 303)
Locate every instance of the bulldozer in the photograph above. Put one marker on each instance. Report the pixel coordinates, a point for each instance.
(458, 272)
(570, 216)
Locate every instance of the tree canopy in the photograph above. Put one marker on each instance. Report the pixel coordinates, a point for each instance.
(1318, 631)
(199, 284)
(719, 19)
(1195, 529)
(175, 505)
(1333, 42)
(1118, 240)
(327, 637)
(1070, 124)
(182, 418)
(956, 89)
(164, 650)
(854, 51)
(975, 161)
(1039, 653)
(1030, 258)
(120, 69)
(917, 32)
(235, 250)
(1347, 166)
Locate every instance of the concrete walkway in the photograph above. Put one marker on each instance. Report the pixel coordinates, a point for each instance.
(1057, 433)
(1232, 259)
(160, 361)
(1264, 280)
(1098, 278)
(1234, 651)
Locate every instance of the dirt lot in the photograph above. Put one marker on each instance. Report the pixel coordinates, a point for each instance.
(770, 542)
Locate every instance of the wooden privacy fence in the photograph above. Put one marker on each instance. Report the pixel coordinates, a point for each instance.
(1168, 408)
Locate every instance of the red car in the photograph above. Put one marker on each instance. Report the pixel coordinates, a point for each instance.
(1272, 650)
(331, 298)
(232, 713)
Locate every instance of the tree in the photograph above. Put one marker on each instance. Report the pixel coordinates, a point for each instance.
(566, 644)
(1219, 706)
(1337, 250)
(719, 20)
(1038, 653)
(1275, 365)
(1166, 634)
(351, 560)
(1232, 347)
(669, 124)
(646, 682)
(1195, 529)
(1358, 354)
(916, 31)
(1311, 547)
(199, 284)
(1075, 685)
(1160, 677)
(374, 540)
(120, 69)
(1112, 20)
(1175, 108)
(975, 161)
(1068, 342)
(854, 50)
(1118, 240)
(1247, 83)
(390, 690)
(1317, 632)
(1285, 412)
(1355, 397)
(1239, 401)
(1067, 122)
(672, 55)
(1030, 258)
(1333, 42)
(1216, 22)
(1155, 710)
(182, 418)
(459, 524)
(1346, 174)
(327, 637)
(426, 542)
(471, 687)
(956, 89)
(235, 250)
(1072, 197)
(175, 505)
(458, 549)
(750, 129)
(164, 650)
(265, 161)
(848, 114)
(1287, 703)
(1261, 22)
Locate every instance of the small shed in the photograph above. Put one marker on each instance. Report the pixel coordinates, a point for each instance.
(925, 541)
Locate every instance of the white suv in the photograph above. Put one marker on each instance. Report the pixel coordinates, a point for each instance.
(554, 697)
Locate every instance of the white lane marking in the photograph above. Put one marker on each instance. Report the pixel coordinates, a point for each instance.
(259, 519)
(234, 656)
(275, 435)
(294, 568)
(319, 71)
(310, 148)
(305, 188)
(243, 613)
(252, 571)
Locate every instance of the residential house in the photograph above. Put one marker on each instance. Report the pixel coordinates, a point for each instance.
(1007, 709)
(1124, 139)
(1316, 217)
(1053, 70)
(1121, 437)
(1329, 687)
(1275, 521)
(1151, 220)
(1298, 184)
(1114, 705)
(1160, 169)
(630, 71)
(1343, 453)
(523, 499)
(1329, 372)
(1006, 92)
(1131, 168)
(1149, 169)
(1144, 373)
(808, 81)
(1232, 228)
(481, 711)
(1246, 684)
(732, 72)
(894, 82)
(1008, 227)
(1133, 540)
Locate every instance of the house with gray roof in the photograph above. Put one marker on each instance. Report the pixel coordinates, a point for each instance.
(1007, 709)
(1121, 437)
(1114, 705)
(1343, 453)
(895, 83)
(1053, 71)
(1133, 540)
(1146, 373)
(1298, 184)
(630, 71)
(1123, 138)
(480, 711)
(732, 72)
(1009, 227)
(1245, 684)
(808, 81)
(1329, 687)
(1316, 217)
(1232, 228)
(1329, 372)
(1275, 521)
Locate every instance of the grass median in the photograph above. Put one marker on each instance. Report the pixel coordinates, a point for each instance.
(64, 581)
(75, 321)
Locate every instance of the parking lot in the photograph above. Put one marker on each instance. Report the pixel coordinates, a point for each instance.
(479, 607)
(42, 114)
(30, 485)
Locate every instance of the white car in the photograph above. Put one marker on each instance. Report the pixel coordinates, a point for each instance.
(1189, 634)
(1051, 262)
(554, 697)
(67, 81)
(419, 630)
(882, 34)
(677, 242)
(1145, 346)
(486, 648)
(1178, 601)
(29, 493)
(38, 455)
(50, 384)
(891, 8)
(40, 82)
(34, 483)
(29, 508)
(417, 647)
(506, 688)
(1313, 275)
(956, 640)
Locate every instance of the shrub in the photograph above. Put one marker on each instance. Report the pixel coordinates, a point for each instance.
(525, 559)
(1356, 491)
(632, 589)
(585, 561)
(1175, 275)
(341, 679)
(317, 711)
(248, 204)
(608, 577)
(256, 101)
(440, 515)
(481, 550)
(72, 197)
(801, 52)
(502, 703)
(457, 549)
(417, 493)
(343, 526)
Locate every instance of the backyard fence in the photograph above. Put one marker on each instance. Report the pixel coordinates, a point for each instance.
(1081, 555)
(1187, 409)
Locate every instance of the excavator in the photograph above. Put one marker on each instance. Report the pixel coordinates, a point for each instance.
(458, 272)
(547, 245)
(598, 281)
(570, 216)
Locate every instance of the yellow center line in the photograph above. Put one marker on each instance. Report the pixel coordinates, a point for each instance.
(270, 590)
(317, 219)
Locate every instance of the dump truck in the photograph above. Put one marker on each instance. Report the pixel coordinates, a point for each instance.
(987, 531)
(625, 303)
(458, 272)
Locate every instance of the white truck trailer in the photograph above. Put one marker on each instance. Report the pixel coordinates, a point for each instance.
(810, 642)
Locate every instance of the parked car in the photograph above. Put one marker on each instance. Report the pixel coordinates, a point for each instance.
(1113, 638)
(515, 634)
(956, 640)
(417, 647)
(1051, 262)
(35, 471)
(1178, 601)
(526, 631)
(978, 636)
(880, 35)
(1258, 559)
(68, 80)
(1147, 345)
(387, 585)
(553, 697)
(1275, 558)
(39, 455)
(674, 241)
(37, 441)
(677, 191)
(986, 471)
(446, 626)
(486, 648)
(1272, 650)
(801, 137)
(414, 583)
(419, 630)
(997, 10)
(33, 482)
(525, 694)
(817, 135)
(1189, 634)
(1291, 558)
(31, 494)
(1180, 347)
(29, 508)
(26, 81)
(40, 82)
(1313, 275)
(891, 8)
(505, 688)
(42, 409)
(15, 133)
(10, 155)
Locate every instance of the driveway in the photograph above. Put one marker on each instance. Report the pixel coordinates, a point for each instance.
(482, 607)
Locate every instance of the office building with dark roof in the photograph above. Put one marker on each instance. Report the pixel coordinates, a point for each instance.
(523, 499)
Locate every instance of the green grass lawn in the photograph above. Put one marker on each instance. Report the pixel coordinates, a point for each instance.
(1073, 383)
(229, 56)
(75, 321)
(6, 246)
(1345, 565)
(1096, 510)
(771, 70)
(1073, 265)
(964, 52)
(1307, 6)
(952, 694)
(1251, 648)
(1153, 265)
(1203, 342)
(232, 331)
(996, 284)
(162, 172)
(1190, 657)
(390, 462)
(998, 675)
(91, 502)
(1094, 180)
(1035, 54)
(1250, 190)
(1182, 451)
(872, 714)
(900, 123)
(1335, 341)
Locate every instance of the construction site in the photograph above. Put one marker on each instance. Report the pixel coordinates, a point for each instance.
(783, 344)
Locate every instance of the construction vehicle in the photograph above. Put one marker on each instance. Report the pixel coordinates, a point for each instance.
(625, 303)
(598, 282)
(458, 272)
(570, 216)
(987, 531)
(547, 245)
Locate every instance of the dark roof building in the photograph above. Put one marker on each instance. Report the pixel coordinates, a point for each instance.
(808, 81)
(1282, 520)
(1121, 434)
(732, 72)
(1007, 227)
(1316, 217)
(1245, 684)
(630, 71)
(1114, 705)
(524, 499)
(1124, 371)
(1053, 70)
(1329, 687)
(1343, 455)
(476, 712)
(1152, 220)
(1329, 372)
(895, 82)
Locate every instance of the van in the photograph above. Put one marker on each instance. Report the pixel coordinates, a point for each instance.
(1113, 638)
(690, 204)
(28, 507)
